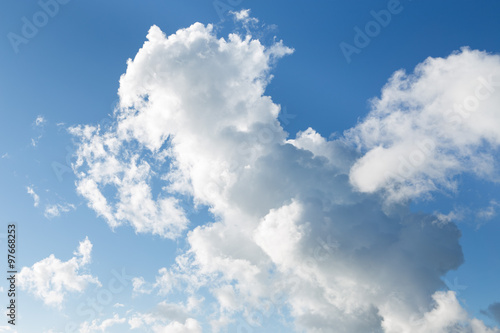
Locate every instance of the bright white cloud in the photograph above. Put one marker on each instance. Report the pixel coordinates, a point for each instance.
(189, 326)
(51, 279)
(36, 198)
(446, 316)
(289, 229)
(431, 125)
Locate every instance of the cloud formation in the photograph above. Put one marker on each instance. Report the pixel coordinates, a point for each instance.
(291, 228)
(430, 126)
(51, 279)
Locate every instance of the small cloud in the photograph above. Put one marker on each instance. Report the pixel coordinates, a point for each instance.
(35, 196)
(51, 279)
(56, 210)
(244, 16)
(6, 155)
(489, 212)
(140, 286)
(118, 305)
(40, 121)
(453, 216)
(38, 124)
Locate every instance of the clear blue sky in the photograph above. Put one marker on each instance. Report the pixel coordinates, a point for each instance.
(67, 74)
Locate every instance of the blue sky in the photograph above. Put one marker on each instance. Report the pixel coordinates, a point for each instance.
(207, 181)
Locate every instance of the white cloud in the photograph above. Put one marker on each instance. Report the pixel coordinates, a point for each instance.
(165, 282)
(140, 286)
(112, 165)
(36, 198)
(289, 231)
(489, 212)
(453, 216)
(38, 124)
(430, 126)
(52, 211)
(446, 316)
(101, 326)
(168, 317)
(189, 326)
(40, 120)
(244, 17)
(51, 279)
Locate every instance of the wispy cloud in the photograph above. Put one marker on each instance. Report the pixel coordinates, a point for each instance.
(489, 212)
(52, 211)
(36, 198)
(39, 125)
(40, 121)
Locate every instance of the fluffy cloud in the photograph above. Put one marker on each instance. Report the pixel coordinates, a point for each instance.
(290, 231)
(430, 126)
(189, 326)
(168, 317)
(50, 279)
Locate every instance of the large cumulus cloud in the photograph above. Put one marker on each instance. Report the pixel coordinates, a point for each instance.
(291, 225)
